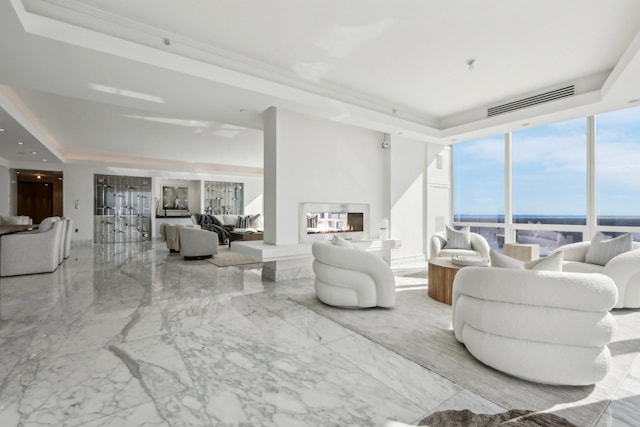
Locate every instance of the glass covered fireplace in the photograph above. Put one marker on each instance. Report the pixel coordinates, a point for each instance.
(322, 220)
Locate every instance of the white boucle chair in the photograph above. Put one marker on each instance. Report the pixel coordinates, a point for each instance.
(544, 326)
(32, 252)
(351, 277)
(624, 269)
(479, 246)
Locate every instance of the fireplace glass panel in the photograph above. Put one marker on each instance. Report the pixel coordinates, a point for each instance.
(334, 222)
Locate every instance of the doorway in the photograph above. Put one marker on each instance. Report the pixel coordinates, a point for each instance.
(39, 194)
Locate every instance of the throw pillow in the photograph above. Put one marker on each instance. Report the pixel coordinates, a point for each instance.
(603, 248)
(244, 221)
(339, 241)
(458, 239)
(551, 262)
(504, 261)
(255, 221)
(312, 221)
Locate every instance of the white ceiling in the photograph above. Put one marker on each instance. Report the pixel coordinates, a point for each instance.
(94, 80)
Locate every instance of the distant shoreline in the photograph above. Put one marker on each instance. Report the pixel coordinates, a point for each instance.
(618, 221)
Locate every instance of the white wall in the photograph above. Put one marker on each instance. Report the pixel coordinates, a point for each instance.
(439, 186)
(315, 160)
(407, 180)
(5, 182)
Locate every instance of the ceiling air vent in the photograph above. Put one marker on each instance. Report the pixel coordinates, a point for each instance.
(532, 100)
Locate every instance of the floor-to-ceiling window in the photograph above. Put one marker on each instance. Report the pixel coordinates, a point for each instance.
(543, 188)
(478, 168)
(618, 171)
(549, 173)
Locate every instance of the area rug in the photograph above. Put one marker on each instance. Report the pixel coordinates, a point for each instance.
(515, 417)
(419, 329)
(227, 258)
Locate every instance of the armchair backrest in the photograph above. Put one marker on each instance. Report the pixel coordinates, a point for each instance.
(47, 224)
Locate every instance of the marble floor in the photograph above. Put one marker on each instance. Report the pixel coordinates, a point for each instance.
(130, 335)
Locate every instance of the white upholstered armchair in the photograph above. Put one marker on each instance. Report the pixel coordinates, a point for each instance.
(33, 251)
(196, 243)
(624, 269)
(544, 326)
(351, 277)
(438, 246)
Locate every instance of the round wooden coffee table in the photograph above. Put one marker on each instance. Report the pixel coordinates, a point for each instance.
(441, 274)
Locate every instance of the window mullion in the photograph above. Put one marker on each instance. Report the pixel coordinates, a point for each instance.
(509, 232)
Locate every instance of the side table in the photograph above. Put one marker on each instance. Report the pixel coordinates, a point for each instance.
(442, 272)
(523, 252)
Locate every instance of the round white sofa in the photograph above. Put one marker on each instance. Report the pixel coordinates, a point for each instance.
(351, 277)
(543, 326)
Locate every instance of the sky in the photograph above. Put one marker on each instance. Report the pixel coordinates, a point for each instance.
(549, 169)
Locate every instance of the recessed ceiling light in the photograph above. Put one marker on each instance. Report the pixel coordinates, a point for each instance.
(44, 160)
(39, 177)
(34, 152)
(59, 179)
(1, 129)
(20, 142)
(242, 110)
(526, 124)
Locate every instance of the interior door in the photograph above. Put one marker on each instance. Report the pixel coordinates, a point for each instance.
(35, 199)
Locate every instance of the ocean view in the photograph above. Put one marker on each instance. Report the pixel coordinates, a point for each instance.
(548, 240)
(618, 221)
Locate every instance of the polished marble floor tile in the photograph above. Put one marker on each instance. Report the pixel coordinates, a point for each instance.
(130, 335)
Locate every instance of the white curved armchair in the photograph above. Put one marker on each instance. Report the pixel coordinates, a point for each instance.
(67, 238)
(479, 246)
(351, 277)
(196, 243)
(32, 252)
(63, 232)
(170, 234)
(543, 326)
(624, 269)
